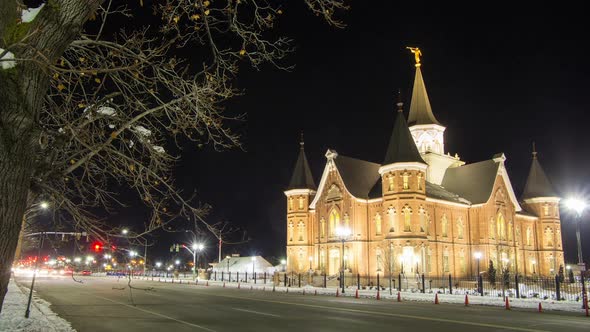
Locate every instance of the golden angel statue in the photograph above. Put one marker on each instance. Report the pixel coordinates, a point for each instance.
(417, 54)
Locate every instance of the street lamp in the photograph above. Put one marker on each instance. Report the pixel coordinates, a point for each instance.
(343, 233)
(124, 231)
(195, 247)
(477, 256)
(577, 205)
(534, 262)
(284, 264)
(44, 205)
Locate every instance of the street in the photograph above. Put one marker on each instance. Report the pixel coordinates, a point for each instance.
(106, 304)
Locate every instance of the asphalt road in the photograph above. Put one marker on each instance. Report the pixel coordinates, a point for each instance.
(107, 304)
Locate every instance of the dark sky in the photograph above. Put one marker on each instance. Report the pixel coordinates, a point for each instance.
(498, 78)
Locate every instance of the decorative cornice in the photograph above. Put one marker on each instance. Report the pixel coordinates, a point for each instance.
(542, 200)
(299, 192)
(400, 166)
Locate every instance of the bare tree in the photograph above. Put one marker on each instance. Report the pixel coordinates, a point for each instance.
(92, 102)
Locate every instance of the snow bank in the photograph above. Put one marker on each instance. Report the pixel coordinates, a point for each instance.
(28, 15)
(8, 56)
(41, 317)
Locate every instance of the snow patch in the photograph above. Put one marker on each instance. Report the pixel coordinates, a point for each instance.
(5, 59)
(106, 110)
(28, 15)
(41, 318)
(159, 149)
(142, 131)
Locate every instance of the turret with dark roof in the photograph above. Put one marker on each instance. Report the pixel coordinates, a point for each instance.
(301, 178)
(537, 183)
(420, 109)
(402, 147)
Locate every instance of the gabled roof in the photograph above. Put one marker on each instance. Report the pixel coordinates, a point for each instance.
(402, 147)
(420, 109)
(439, 192)
(301, 178)
(359, 176)
(537, 183)
(474, 182)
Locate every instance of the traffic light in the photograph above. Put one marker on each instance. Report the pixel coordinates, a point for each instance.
(97, 246)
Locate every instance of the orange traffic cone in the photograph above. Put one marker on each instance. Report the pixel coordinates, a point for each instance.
(356, 295)
(399, 296)
(378, 295)
(337, 294)
(507, 303)
(466, 300)
(540, 307)
(436, 298)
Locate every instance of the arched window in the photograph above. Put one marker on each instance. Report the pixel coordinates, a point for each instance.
(419, 180)
(549, 237)
(390, 178)
(300, 230)
(407, 212)
(510, 229)
(290, 231)
(290, 203)
(491, 230)
(460, 228)
(528, 236)
(378, 224)
(322, 227)
(422, 214)
(334, 222)
(391, 217)
(322, 259)
(444, 224)
(379, 256)
(546, 210)
(445, 262)
(301, 200)
(406, 180)
(501, 227)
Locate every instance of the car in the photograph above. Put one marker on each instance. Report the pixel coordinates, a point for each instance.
(86, 272)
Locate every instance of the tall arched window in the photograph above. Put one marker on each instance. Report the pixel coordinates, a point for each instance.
(406, 180)
(391, 217)
(549, 237)
(407, 212)
(290, 231)
(491, 230)
(334, 222)
(378, 224)
(347, 221)
(528, 236)
(501, 227)
(422, 214)
(290, 203)
(322, 227)
(379, 257)
(322, 259)
(300, 230)
(460, 228)
(419, 181)
(390, 178)
(444, 225)
(301, 201)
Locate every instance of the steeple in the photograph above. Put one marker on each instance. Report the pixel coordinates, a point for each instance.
(420, 109)
(401, 144)
(301, 178)
(537, 183)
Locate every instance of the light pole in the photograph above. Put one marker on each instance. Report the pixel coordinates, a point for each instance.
(477, 256)
(253, 265)
(284, 264)
(534, 262)
(227, 263)
(577, 205)
(343, 233)
(195, 247)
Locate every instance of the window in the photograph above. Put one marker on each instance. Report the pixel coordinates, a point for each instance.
(444, 224)
(462, 265)
(322, 227)
(528, 236)
(491, 230)
(300, 230)
(379, 255)
(322, 259)
(290, 231)
(407, 212)
(419, 181)
(460, 228)
(346, 221)
(549, 237)
(422, 214)
(501, 227)
(546, 210)
(391, 216)
(301, 201)
(406, 179)
(446, 262)
(378, 224)
(334, 222)
(290, 203)
(390, 182)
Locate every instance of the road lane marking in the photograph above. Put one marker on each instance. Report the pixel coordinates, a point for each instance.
(154, 313)
(433, 319)
(256, 312)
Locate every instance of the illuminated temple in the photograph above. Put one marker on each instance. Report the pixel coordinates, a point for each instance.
(421, 210)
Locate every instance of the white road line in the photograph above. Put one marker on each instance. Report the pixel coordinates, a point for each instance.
(256, 312)
(154, 313)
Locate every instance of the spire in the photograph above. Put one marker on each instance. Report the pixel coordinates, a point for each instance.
(302, 178)
(401, 144)
(420, 109)
(537, 183)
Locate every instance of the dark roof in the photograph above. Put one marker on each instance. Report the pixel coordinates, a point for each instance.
(439, 192)
(474, 182)
(359, 176)
(402, 147)
(301, 178)
(537, 184)
(420, 109)
(377, 190)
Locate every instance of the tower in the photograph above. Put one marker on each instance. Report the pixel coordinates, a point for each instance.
(299, 231)
(427, 132)
(541, 199)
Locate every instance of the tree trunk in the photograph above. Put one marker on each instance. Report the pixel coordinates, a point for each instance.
(23, 89)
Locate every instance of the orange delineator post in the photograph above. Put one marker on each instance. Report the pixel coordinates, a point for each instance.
(356, 294)
(466, 300)
(399, 296)
(540, 307)
(436, 298)
(378, 295)
(507, 303)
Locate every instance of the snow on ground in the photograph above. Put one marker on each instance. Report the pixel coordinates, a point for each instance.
(5, 63)
(28, 15)
(41, 318)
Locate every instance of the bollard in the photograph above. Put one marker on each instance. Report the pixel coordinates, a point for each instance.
(356, 295)
(399, 296)
(466, 300)
(287, 290)
(540, 307)
(507, 303)
(251, 287)
(378, 294)
(436, 298)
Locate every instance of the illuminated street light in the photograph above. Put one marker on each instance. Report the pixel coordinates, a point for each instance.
(77, 259)
(158, 264)
(577, 205)
(44, 205)
(343, 233)
(132, 253)
(124, 231)
(177, 262)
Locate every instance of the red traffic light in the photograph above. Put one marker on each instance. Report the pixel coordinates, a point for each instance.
(97, 246)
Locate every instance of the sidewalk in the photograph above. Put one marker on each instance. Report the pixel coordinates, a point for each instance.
(41, 318)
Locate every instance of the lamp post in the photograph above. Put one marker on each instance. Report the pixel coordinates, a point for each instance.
(534, 262)
(253, 265)
(284, 264)
(577, 205)
(342, 233)
(195, 247)
(477, 256)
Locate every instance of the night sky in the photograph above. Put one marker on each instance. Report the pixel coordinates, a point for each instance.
(497, 78)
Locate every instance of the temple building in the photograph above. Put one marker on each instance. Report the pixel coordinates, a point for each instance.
(421, 210)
